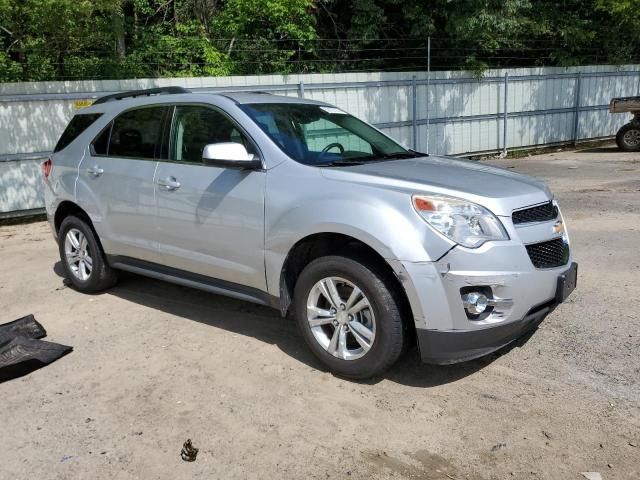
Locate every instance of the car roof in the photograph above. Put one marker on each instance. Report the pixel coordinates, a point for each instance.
(118, 102)
(263, 97)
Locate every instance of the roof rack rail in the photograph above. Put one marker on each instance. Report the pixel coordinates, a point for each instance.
(141, 93)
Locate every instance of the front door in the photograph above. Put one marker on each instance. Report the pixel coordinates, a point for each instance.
(210, 219)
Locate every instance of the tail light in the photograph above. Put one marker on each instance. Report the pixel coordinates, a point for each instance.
(47, 166)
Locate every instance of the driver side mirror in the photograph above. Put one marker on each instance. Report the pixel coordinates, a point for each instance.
(230, 155)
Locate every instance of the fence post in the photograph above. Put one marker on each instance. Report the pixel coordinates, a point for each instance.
(301, 89)
(428, 88)
(576, 107)
(414, 109)
(505, 114)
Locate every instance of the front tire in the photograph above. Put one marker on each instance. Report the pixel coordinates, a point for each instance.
(349, 316)
(82, 257)
(628, 138)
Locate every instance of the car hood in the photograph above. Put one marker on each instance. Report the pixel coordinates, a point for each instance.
(497, 189)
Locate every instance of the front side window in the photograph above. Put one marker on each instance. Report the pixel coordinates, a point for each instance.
(322, 135)
(137, 133)
(78, 124)
(197, 126)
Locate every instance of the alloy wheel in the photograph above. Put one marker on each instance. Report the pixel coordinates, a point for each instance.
(76, 249)
(341, 318)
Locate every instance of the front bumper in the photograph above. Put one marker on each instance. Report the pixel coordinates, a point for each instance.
(443, 347)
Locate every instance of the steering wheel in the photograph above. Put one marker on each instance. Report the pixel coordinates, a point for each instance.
(326, 149)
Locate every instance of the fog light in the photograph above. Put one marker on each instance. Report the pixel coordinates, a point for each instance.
(475, 303)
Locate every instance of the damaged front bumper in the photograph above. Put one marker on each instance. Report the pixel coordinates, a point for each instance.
(443, 347)
(520, 297)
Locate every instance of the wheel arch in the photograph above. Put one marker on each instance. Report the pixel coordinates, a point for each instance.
(317, 245)
(68, 208)
(65, 209)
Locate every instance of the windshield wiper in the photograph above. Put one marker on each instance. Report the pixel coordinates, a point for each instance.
(399, 156)
(348, 162)
(343, 162)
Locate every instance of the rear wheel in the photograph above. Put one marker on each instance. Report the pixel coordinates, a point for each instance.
(82, 258)
(349, 316)
(628, 138)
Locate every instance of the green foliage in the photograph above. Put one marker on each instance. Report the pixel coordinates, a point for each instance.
(254, 27)
(183, 53)
(627, 15)
(74, 39)
(9, 69)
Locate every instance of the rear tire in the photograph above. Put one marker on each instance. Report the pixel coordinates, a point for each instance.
(628, 138)
(357, 334)
(82, 257)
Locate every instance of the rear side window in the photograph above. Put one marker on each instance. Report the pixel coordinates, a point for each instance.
(100, 145)
(77, 125)
(136, 133)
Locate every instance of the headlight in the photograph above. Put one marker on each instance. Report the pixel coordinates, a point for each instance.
(461, 221)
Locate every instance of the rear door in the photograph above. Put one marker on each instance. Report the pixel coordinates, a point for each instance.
(210, 219)
(117, 180)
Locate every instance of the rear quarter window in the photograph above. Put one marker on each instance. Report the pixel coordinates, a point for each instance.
(78, 124)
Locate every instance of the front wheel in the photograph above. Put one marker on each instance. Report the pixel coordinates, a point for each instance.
(628, 138)
(84, 262)
(349, 316)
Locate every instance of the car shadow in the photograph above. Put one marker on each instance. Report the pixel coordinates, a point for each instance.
(267, 325)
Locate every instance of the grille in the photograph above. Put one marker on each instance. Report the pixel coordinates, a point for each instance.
(540, 213)
(553, 253)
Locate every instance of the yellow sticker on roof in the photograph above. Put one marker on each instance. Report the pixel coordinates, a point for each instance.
(78, 104)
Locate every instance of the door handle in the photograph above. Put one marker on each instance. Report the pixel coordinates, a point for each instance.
(169, 183)
(95, 171)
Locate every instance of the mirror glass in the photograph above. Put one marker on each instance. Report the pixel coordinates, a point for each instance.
(227, 151)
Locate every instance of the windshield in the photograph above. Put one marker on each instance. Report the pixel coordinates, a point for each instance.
(321, 135)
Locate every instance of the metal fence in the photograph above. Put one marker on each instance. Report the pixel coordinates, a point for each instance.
(446, 113)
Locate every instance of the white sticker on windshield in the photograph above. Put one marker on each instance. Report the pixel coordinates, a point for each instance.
(333, 110)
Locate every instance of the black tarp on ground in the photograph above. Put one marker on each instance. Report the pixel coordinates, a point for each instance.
(20, 350)
(23, 327)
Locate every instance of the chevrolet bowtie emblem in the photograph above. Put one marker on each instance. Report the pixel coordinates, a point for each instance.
(558, 227)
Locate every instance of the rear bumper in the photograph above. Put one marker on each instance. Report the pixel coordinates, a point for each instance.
(443, 347)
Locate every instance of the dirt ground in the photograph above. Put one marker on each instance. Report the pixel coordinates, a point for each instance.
(154, 364)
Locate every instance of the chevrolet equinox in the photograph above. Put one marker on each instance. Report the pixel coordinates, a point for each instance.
(296, 204)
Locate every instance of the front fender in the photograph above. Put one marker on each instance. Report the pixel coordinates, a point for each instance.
(311, 204)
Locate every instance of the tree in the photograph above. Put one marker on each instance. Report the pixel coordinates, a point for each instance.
(71, 39)
(266, 35)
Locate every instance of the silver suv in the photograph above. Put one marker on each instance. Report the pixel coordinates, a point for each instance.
(298, 205)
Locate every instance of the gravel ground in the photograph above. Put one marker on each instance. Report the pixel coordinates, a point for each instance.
(154, 364)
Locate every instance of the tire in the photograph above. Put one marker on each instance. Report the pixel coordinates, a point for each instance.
(92, 274)
(381, 317)
(628, 138)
